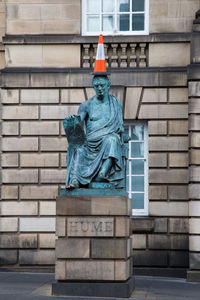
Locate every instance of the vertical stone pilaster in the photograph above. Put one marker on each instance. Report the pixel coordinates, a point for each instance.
(194, 169)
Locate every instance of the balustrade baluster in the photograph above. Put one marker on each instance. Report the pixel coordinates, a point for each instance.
(123, 63)
(114, 56)
(142, 56)
(133, 57)
(86, 56)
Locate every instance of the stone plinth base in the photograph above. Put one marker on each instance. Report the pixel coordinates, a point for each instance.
(94, 289)
(193, 276)
(93, 245)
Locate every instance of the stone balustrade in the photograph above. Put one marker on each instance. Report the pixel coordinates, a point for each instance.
(118, 55)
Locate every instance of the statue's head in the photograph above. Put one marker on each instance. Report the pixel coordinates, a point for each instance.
(101, 85)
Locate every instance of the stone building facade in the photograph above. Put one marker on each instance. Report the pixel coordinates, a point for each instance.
(45, 65)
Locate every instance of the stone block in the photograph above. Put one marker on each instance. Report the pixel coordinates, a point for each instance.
(8, 224)
(168, 209)
(45, 96)
(194, 123)
(63, 160)
(178, 192)
(8, 257)
(154, 95)
(179, 259)
(18, 241)
(61, 27)
(23, 27)
(194, 243)
(90, 92)
(178, 127)
(194, 89)
(9, 160)
(179, 242)
(47, 208)
(178, 94)
(150, 111)
(10, 128)
(158, 241)
(47, 240)
(168, 176)
(194, 261)
(160, 225)
(194, 208)
(39, 160)
(36, 257)
(21, 55)
(110, 248)
(142, 224)
(28, 12)
(60, 56)
(60, 226)
(88, 226)
(53, 144)
(194, 225)
(195, 156)
(194, 106)
(157, 192)
(37, 224)
(122, 269)
(170, 143)
(178, 160)
(195, 140)
(132, 100)
(179, 225)
(60, 270)
(118, 92)
(72, 96)
(90, 270)
(156, 258)
(39, 128)
(122, 226)
(195, 173)
(14, 208)
(157, 160)
(193, 276)
(72, 248)
(52, 176)
(138, 241)
(10, 96)
(19, 176)
(9, 192)
(194, 191)
(73, 206)
(38, 192)
(157, 127)
(20, 144)
(20, 112)
(177, 54)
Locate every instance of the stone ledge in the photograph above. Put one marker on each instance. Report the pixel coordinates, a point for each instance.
(193, 276)
(77, 39)
(94, 289)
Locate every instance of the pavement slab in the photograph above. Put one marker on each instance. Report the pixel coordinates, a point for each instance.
(37, 286)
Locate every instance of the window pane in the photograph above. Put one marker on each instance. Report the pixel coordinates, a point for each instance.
(93, 6)
(138, 22)
(138, 5)
(108, 5)
(93, 23)
(137, 132)
(137, 183)
(137, 150)
(138, 201)
(107, 23)
(124, 22)
(124, 5)
(137, 167)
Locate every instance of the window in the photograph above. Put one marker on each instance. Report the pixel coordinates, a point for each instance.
(137, 167)
(112, 17)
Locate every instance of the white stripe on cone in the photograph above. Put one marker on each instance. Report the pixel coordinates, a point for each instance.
(100, 52)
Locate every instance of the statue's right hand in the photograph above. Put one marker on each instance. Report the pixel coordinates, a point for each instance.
(70, 117)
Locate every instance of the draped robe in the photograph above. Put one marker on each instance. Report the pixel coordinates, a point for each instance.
(102, 142)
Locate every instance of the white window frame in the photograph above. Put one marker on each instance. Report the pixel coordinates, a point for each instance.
(115, 32)
(145, 210)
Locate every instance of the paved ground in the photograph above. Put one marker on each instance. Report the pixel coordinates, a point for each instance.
(31, 286)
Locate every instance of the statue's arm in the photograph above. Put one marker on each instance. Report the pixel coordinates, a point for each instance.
(83, 111)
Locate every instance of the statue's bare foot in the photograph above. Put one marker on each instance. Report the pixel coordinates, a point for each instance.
(73, 185)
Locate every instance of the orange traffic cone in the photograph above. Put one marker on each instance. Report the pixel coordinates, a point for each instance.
(100, 63)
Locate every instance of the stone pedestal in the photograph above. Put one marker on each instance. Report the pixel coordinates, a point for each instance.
(93, 246)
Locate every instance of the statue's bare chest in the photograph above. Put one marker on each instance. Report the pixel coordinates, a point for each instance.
(99, 111)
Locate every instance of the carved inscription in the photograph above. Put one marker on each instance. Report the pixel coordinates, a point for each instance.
(90, 226)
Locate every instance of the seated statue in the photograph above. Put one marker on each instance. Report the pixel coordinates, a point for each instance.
(96, 151)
